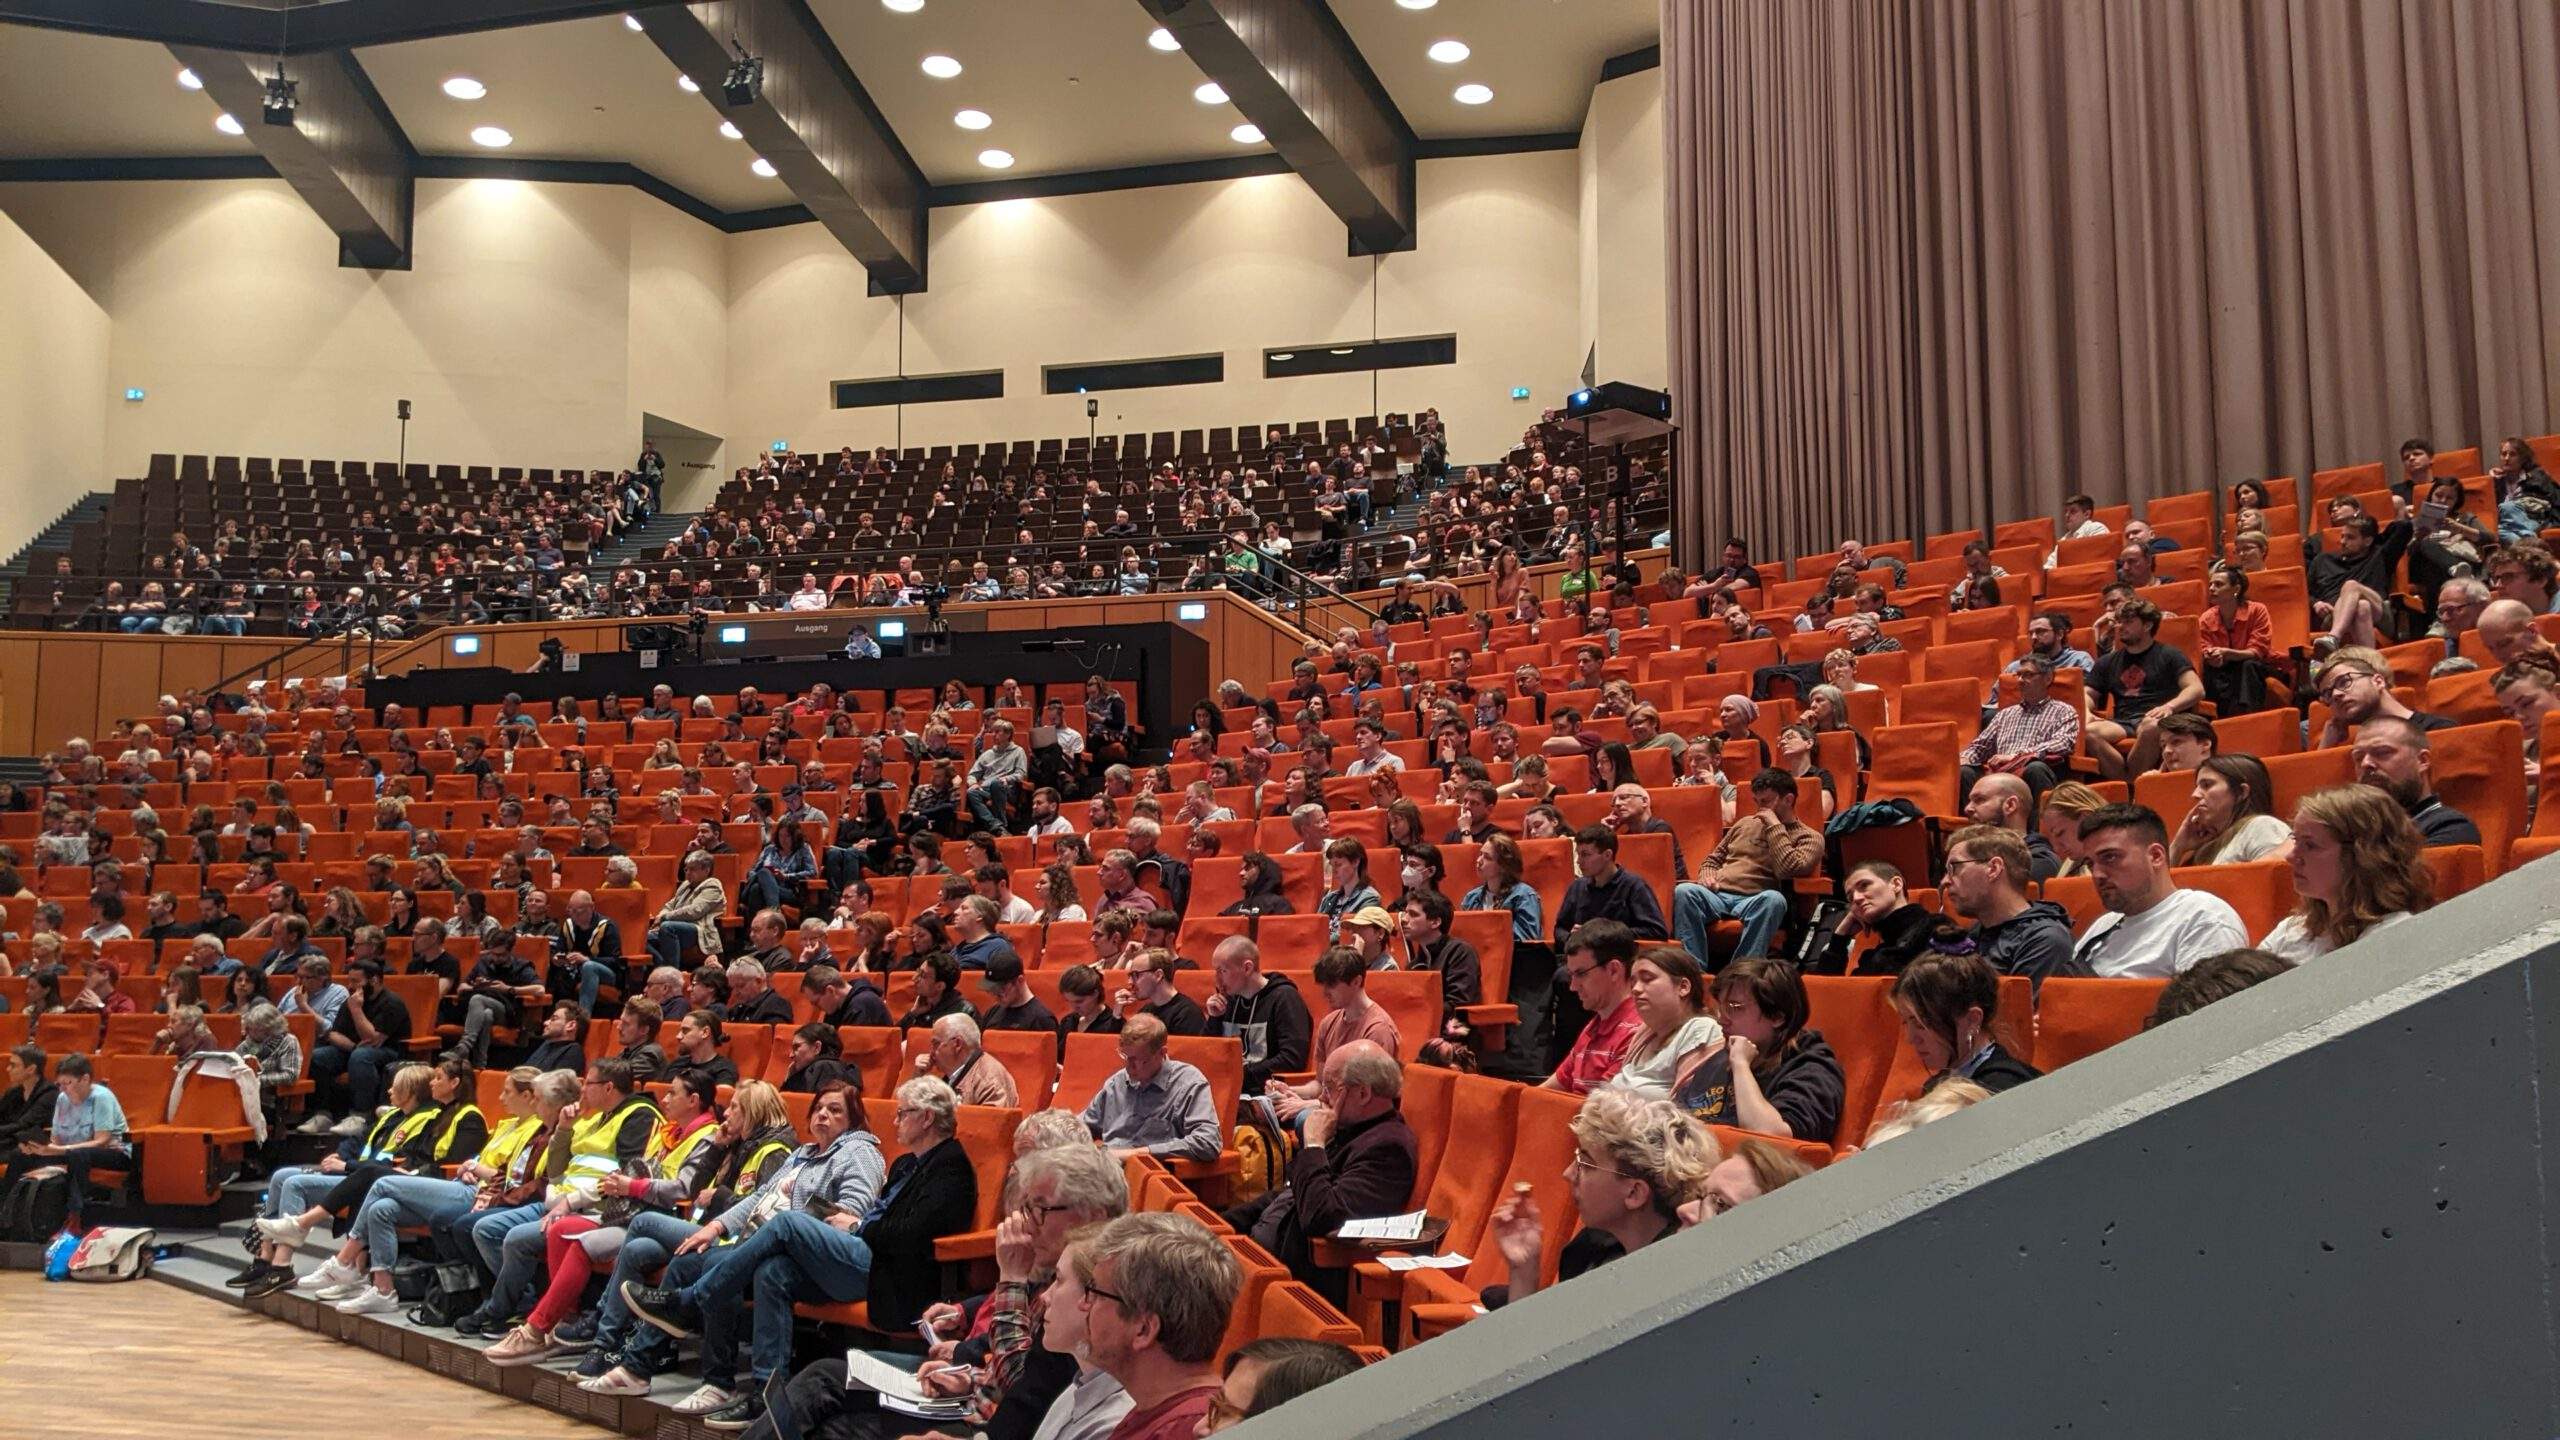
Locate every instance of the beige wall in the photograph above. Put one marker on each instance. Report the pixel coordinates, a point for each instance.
(543, 322)
(228, 306)
(1232, 267)
(53, 389)
(1622, 274)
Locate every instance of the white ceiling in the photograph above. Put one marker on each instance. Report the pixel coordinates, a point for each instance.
(1071, 85)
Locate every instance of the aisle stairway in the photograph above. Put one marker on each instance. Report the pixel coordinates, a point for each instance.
(54, 539)
(645, 541)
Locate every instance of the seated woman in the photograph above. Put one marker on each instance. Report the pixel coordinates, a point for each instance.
(782, 871)
(1672, 1001)
(609, 1132)
(1772, 1074)
(1947, 1003)
(1635, 1163)
(429, 1123)
(1752, 1169)
(795, 1240)
(585, 1230)
(2357, 868)
(2232, 819)
(26, 1105)
(373, 1241)
(88, 1132)
(756, 1139)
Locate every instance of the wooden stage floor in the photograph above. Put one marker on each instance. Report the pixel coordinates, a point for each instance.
(148, 1359)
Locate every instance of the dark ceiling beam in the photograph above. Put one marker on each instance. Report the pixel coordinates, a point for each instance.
(390, 22)
(814, 122)
(235, 27)
(344, 154)
(1291, 69)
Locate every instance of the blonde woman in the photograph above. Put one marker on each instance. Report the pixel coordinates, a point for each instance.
(2357, 868)
(2059, 821)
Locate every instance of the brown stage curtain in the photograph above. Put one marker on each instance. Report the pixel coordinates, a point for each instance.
(1939, 262)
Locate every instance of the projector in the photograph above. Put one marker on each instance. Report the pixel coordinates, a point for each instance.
(281, 101)
(745, 82)
(1617, 412)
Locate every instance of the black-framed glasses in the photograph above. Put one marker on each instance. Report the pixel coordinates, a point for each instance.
(1093, 1292)
(1039, 1212)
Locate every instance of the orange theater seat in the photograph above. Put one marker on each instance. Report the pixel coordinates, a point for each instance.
(2078, 1017)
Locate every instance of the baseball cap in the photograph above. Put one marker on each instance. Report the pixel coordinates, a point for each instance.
(1001, 971)
(1373, 916)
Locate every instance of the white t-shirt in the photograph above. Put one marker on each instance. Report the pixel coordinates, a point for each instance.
(1651, 1077)
(2292, 940)
(2258, 837)
(1387, 760)
(2163, 940)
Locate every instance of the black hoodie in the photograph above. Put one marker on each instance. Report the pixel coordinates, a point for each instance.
(1902, 936)
(1275, 1027)
(2035, 942)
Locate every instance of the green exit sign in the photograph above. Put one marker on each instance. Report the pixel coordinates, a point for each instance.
(133, 392)
(781, 446)
(1519, 392)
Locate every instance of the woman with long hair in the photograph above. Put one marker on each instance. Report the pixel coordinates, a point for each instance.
(2357, 868)
(1499, 887)
(1672, 1000)
(2233, 819)
(1059, 899)
(1947, 1003)
(2058, 819)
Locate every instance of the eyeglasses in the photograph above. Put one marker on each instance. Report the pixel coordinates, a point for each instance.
(1580, 1165)
(1571, 974)
(2340, 685)
(1039, 1212)
(1093, 1292)
(1223, 1413)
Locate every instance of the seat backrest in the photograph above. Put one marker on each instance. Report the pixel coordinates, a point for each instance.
(1853, 1013)
(1292, 1310)
(987, 1134)
(1916, 763)
(2261, 890)
(1032, 1058)
(1429, 1092)
(130, 1034)
(2077, 1016)
(2479, 770)
(1467, 1179)
(1089, 1061)
(875, 1050)
(1542, 1148)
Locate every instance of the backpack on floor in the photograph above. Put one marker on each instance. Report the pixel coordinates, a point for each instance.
(114, 1253)
(453, 1290)
(36, 1206)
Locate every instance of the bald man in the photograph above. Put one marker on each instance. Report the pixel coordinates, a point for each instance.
(2506, 628)
(2004, 801)
(1356, 1162)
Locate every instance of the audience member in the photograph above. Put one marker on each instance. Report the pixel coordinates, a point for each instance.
(2356, 871)
(1635, 1163)
(1746, 877)
(1948, 1003)
(1154, 1104)
(2152, 927)
(1772, 1074)
(2395, 757)
(1355, 1161)
(1987, 877)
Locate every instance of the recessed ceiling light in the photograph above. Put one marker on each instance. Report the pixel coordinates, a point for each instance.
(973, 119)
(1162, 39)
(631, 22)
(903, 7)
(1450, 52)
(463, 87)
(492, 137)
(187, 80)
(941, 67)
(685, 84)
(1472, 94)
(228, 126)
(763, 167)
(1417, 4)
(1211, 93)
(1246, 134)
(729, 131)
(996, 159)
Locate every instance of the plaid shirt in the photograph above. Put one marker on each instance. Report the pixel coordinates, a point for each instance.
(1012, 1323)
(2051, 730)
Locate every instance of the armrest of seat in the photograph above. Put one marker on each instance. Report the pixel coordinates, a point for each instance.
(974, 1245)
(1481, 1016)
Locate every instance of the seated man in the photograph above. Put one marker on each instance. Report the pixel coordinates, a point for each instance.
(1597, 957)
(2033, 739)
(1162, 1288)
(2356, 683)
(2394, 756)
(957, 1055)
(1879, 905)
(1154, 1104)
(1264, 1011)
(564, 1039)
(1355, 1162)
(2004, 802)
(2139, 681)
(1987, 878)
(2152, 927)
(1747, 876)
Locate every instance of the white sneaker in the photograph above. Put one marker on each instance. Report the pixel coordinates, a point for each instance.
(617, 1381)
(369, 1301)
(282, 1230)
(704, 1400)
(330, 1276)
(351, 1127)
(318, 1124)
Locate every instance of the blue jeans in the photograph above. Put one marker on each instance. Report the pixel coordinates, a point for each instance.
(296, 1188)
(790, 1257)
(139, 624)
(593, 976)
(647, 1241)
(992, 805)
(1695, 909)
(765, 890)
(233, 625)
(398, 1200)
(669, 941)
(351, 1082)
(493, 1235)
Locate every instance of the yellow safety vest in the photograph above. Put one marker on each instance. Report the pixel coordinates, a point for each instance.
(591, 1143)
(506, 1140)
(452, 1129)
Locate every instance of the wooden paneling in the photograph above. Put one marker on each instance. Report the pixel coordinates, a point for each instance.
(56, 685)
